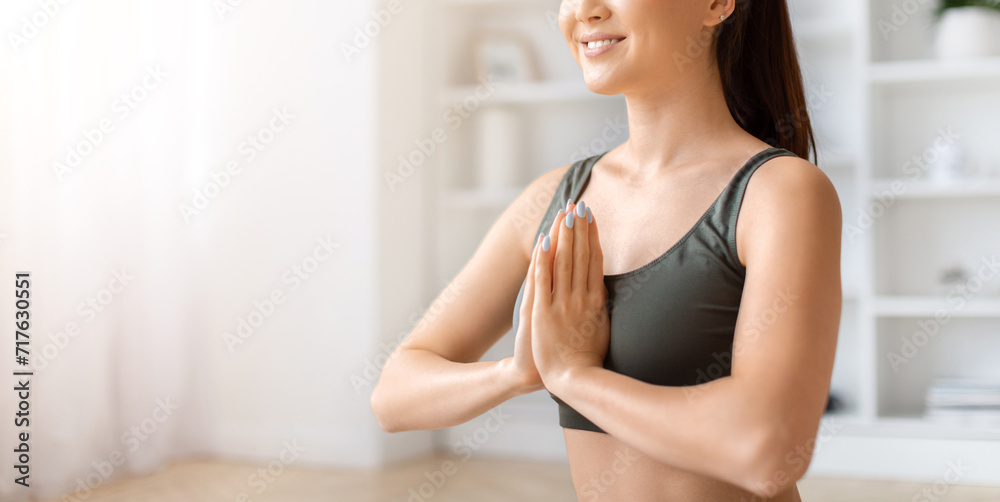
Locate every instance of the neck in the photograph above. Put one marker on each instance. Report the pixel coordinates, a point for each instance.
(672, 126)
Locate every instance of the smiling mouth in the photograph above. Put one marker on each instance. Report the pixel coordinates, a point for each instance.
(599, 47)
(600, 43)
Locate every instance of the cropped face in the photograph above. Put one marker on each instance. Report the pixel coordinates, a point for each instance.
(631, 45)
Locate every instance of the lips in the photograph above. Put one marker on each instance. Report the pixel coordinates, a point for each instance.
(599, 46)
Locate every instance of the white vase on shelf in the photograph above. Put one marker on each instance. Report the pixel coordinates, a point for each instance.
(498, 148)
(968, 32)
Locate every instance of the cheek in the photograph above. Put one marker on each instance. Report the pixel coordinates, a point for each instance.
(662, 27)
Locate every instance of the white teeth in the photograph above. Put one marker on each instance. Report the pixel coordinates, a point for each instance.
(594, 45)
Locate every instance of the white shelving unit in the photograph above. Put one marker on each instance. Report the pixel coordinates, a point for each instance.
(875, 103)
(906, 239)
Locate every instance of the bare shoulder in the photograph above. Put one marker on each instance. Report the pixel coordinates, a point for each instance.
(791, 198)
(525, 213)
(793, 177)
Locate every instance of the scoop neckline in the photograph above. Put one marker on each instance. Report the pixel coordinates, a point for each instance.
(588, 168)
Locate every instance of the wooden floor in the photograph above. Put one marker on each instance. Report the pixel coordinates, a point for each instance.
(475, 480)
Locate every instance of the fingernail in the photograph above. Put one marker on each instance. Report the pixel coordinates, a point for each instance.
(590, 216)
(567, 205)
(545, 243)
(569, 220)
(581, 210)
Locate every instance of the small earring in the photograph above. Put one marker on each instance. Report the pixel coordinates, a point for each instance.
(722, 17)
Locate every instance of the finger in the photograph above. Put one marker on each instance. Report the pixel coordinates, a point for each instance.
(553, 232)
(543, 275)
(562, 265)
(581, 248)
(596, 279)
(529, 287)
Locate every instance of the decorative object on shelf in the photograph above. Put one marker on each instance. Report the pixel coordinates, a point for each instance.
(950, 165)
(953, 277)
(964, 402)
(498, 147)
(967, 29)
(834, 404)
(504, 57)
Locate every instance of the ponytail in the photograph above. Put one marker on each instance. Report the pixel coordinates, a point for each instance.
(761, 76)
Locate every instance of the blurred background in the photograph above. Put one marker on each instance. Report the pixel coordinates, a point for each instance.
(233, 210)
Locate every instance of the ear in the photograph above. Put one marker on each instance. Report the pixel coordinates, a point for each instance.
(721, 10)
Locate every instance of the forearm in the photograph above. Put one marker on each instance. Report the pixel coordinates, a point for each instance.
(715, 428)
(420, 390)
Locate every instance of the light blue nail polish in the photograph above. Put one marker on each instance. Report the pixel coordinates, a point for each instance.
(546, 243)
(567, 205)
(590, 216)
(569, 220)
(581, 210)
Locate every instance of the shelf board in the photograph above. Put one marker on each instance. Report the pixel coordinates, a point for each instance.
(918, 428)
(525, 93)
(927, 189)
(928, 306)
(480, 198)
(933, 70)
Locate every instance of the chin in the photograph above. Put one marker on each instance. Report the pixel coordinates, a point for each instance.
(602, 85)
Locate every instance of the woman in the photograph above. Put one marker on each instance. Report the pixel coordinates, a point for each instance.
(690, 356)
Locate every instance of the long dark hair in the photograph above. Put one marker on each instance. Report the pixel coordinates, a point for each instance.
(761, 76)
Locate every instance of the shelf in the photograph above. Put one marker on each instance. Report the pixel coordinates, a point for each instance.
(525, 93)
(928, 306)
(480, 198)
(932, 70)
(916, 427)
(927, 189)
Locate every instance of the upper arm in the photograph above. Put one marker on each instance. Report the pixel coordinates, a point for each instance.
(477, 307)
(789, 235)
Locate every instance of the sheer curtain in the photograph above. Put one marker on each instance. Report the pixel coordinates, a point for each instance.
(115, 119)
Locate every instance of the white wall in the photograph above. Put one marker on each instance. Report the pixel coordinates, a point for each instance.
(162, 335)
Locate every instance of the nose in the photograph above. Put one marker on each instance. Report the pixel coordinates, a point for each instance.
(588, 11)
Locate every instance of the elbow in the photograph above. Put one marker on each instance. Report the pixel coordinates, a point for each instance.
(382, 415)
(774, 461)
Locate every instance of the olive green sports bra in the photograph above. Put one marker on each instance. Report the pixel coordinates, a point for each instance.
(673, 319)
